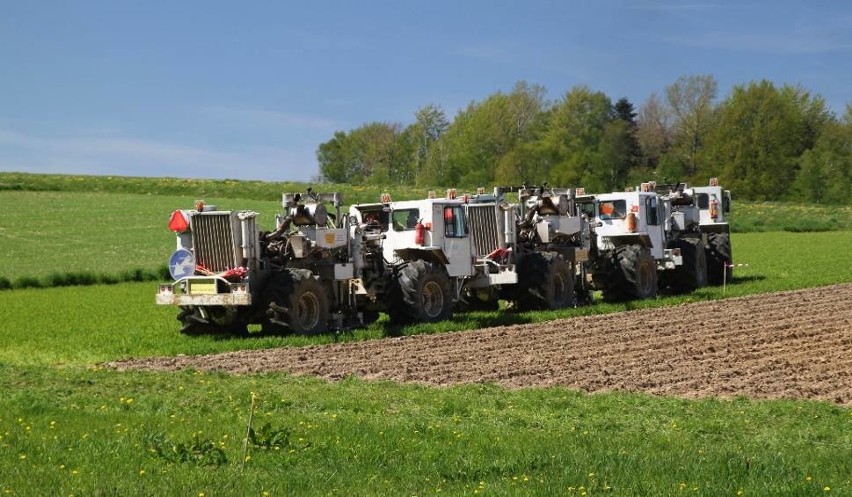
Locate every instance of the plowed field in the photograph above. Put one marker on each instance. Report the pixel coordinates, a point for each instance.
(795, 344)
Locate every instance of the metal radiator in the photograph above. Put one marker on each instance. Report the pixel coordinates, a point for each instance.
(214, 241)
(486, 231)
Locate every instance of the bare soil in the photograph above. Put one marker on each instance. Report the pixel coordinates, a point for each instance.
(795, 344)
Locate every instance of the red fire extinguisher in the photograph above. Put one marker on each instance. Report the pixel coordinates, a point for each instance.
(714, 209)
(419, 232)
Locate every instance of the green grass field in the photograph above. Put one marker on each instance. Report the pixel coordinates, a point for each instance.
(74, 431)
(70, 426)
(102, 226)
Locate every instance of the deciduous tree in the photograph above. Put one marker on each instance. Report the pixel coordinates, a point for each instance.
(690, 102)
(762, 132)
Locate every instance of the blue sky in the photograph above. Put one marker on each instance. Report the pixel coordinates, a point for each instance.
(248, 90)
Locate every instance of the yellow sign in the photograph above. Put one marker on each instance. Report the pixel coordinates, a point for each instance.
(202, 287)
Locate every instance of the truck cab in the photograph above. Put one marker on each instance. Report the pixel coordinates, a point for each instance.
(435, 230)
(714, 204)
(631, 217)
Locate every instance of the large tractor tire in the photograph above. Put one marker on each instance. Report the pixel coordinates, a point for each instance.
(719, 258)
(629, 274)
(297, 302)
(692, 274)
(545, 282)
(420, 293)
(197, 320)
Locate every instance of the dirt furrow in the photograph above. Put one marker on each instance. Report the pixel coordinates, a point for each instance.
(795, 344)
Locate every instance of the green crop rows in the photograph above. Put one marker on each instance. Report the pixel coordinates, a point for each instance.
(70, 426)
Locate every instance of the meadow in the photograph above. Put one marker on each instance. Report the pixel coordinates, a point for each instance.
(62, 230)
(70, 425)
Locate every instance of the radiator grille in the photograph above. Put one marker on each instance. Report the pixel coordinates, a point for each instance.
(485, 228)
(213, 240)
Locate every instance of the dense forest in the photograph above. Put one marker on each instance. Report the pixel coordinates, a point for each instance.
(763, 141)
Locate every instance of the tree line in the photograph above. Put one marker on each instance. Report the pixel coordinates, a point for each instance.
(763, 141)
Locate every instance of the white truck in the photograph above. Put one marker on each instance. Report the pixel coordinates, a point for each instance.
(714, 203)
(628, 246)
(645, 240)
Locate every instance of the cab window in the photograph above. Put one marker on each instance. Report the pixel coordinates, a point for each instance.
(454, 222)
(703, 201)
(405, 219)
(613, 209)
(651, 207)
(375, 218)
(587, 208)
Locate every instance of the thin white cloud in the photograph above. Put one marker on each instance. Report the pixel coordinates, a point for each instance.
(267, 118)
(743, 27)
(790, 43)
(674, 6)
(122, 155)
(495, 52)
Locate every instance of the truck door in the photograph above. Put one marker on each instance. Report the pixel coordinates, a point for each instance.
(456, 238)
(654, 222)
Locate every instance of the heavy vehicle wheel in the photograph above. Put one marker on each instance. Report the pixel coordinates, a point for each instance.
(630, 274)
(692, 274)
(420, 293)
(298, 302)
(197, 320)
(545, 281)
(719, 258)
